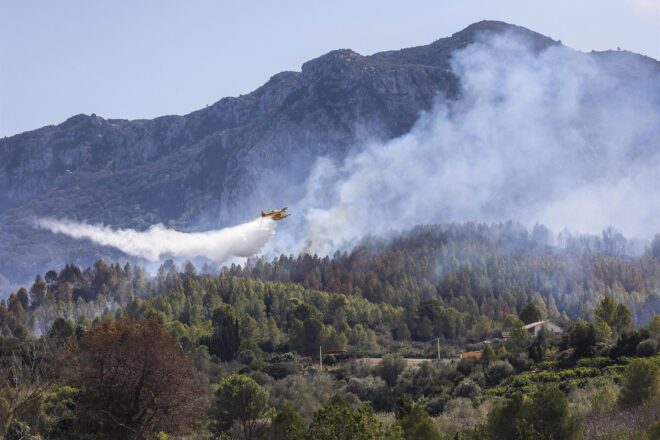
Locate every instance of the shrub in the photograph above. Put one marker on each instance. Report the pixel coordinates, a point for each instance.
(288, 424)
(247, 357)
(337, 420)
(372, 389)
(390, 367)
(604, 399)
(595, 362)
(417, 425)
(467, 388)
(18, 431)
(648, 347)
(640, 383)
(498, 371)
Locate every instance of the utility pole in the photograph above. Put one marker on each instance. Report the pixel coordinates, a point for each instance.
(320, 358)
(438, 349)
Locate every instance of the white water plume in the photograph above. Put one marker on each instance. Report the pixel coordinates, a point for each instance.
(243, 240)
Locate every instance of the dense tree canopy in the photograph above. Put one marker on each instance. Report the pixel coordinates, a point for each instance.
(113, 351)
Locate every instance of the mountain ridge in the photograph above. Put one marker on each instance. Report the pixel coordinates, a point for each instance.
(220, 164)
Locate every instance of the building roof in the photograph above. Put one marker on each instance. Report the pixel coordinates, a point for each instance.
(535, 324)
(471, 354)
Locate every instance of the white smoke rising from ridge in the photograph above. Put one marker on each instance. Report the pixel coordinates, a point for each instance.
(549, 137)
(243, 240)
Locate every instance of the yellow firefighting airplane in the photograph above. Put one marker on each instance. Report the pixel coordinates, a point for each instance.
(275, 214)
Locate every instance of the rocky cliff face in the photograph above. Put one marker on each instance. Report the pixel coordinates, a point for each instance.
(220, 164)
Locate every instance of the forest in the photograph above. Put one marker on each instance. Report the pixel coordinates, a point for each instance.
(428, 334)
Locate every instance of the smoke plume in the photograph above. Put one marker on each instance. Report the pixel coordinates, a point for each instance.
(243, 240)
(564, 138)
(551, 137)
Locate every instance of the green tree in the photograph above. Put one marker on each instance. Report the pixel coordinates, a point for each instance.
(225, 340)
(504, 419)
(390, 367)
(548, 412)
(38, 291)
(61, 331)
(616, 315)
(582, 337)
(417, 425)
(467, 388)
(640, 382)
(544, 415)
(309, 336)
(654, 326)
(240, 402)
(22, 296)
(517, 341)
(338, 421)
(511, 322)
(531, 313)
(189, 269)
(288, 424)
(648, 347)
(498, 371)
(488, 354)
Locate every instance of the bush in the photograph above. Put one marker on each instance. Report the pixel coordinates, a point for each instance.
(604, 399)
(247, 357)
(390, 368)
(288, 424)
(647, 348)
(280, 370)
(417, 425)
(640, 383)
(467, 388)
(466, 366)
(498, 371)
(373, 389)
(289, 356)
(337, 420)
(488, 354)
(18, 431)
(595, 362)
(436, 404)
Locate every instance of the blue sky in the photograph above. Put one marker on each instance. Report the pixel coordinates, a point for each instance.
(148, 58)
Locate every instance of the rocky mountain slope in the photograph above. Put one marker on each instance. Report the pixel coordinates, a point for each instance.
(222, 164)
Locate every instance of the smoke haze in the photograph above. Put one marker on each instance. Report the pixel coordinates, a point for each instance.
(547, 137)
(544, 137)
(158, 241)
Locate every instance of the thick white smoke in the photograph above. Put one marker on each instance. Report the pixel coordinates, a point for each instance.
(549, 137)
(158, 241)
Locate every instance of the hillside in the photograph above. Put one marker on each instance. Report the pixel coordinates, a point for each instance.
(448, 355)
(224, 163)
